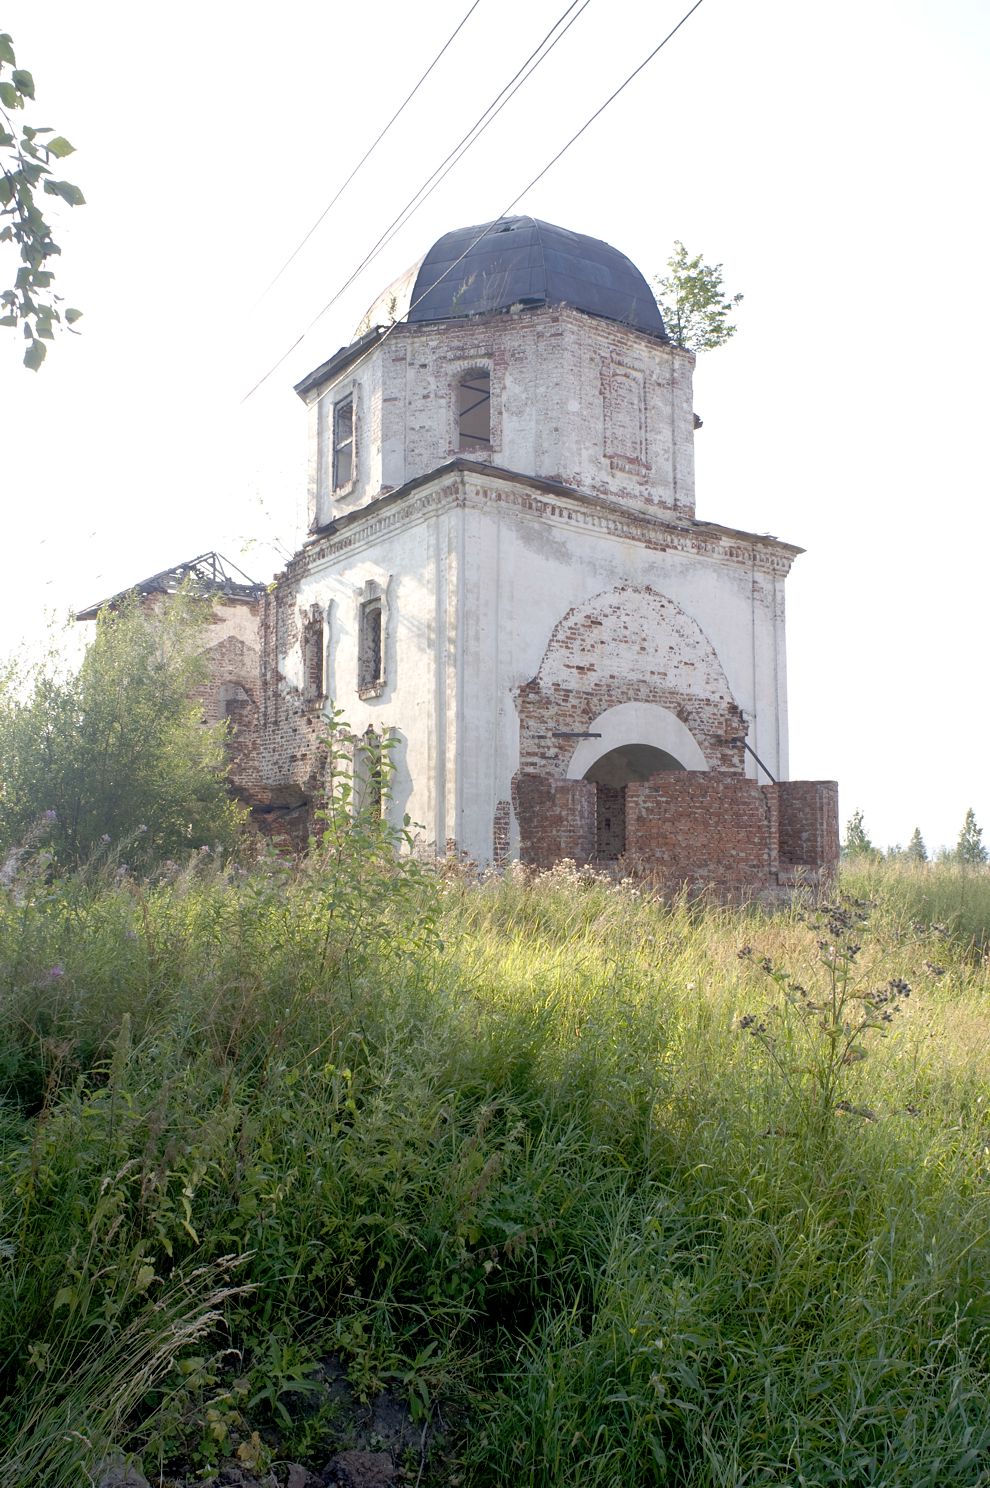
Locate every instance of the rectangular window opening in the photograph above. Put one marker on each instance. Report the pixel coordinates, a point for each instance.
(474, 411)
(370, 669)
(343, 443)
(314, 647)
(375, 792)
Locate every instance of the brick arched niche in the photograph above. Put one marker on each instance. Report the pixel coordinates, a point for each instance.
(628, 645)
(632, 666)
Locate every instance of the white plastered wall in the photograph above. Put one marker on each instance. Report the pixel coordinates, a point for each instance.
(524, 571)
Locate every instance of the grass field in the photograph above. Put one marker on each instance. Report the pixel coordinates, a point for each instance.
(612, 1192)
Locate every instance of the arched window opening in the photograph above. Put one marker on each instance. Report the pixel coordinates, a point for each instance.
(474, 410)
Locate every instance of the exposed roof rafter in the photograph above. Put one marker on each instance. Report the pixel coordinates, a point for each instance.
(210, 573)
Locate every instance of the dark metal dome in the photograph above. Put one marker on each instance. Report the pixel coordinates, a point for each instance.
(522, 261)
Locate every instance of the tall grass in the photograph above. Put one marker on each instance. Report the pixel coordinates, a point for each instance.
(522, 1162)
(955, 895)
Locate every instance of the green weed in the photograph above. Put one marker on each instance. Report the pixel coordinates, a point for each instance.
(499, 1148)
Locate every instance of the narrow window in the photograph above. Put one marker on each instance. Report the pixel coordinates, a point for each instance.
(370, 669)
(374, 774)
(474, 411)
(343, 443)
(313, 648)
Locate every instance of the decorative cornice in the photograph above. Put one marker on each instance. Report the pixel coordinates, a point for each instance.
(461, 482)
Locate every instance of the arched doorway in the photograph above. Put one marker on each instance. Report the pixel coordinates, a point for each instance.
(610, 774)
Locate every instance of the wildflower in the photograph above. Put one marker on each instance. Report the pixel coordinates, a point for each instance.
(49, 816)
(105, 838)
(933, 970)
(141, 828)
(846, 1108)
(54, 972)
(745, 953)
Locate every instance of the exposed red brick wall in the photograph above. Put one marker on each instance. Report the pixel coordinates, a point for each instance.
(556, 819)
(809, 823)
(701, 827)
(292, 756)
(610, 827)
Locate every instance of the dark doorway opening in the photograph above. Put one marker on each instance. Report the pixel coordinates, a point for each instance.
(611, 773)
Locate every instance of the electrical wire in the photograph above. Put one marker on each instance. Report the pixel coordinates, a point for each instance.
(368, 153)
(521, 76)
(490, 227)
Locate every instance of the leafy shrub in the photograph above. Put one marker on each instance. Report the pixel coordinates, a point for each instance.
(114, 757)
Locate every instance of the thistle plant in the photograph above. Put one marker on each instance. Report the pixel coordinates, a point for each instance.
(814, 1037)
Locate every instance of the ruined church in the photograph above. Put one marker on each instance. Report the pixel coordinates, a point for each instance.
(505, 577)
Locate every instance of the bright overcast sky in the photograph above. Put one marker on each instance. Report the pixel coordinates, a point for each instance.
(833, 158)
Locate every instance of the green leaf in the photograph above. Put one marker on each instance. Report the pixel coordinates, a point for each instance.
(71, 316)
(10, 97)
(66, 191)
(8, 320)
(35, 355)
(6, 50)
(24, 82)
(59, 147)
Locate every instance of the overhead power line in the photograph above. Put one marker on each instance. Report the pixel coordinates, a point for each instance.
(521, 76)
(368, 152)
(491, 226)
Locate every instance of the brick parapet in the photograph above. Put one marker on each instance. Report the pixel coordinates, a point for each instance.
(702, 828)
(556, 819)
(809, 823)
